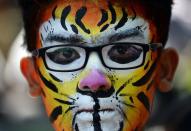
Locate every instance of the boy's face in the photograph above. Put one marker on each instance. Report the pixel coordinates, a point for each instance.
(110, 87)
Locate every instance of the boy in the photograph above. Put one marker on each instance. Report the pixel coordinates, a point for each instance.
(97, 63)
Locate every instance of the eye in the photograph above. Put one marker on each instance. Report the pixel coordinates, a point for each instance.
(63, 55)
(124, 54)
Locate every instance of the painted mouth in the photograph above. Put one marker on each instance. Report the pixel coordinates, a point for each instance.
(86, 115)
(91, 110)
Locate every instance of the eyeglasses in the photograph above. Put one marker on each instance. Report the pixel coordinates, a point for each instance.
(119, 56)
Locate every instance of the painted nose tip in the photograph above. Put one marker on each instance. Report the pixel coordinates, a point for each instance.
(95, 81)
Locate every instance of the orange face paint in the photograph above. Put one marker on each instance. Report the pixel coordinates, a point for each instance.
(102, 95)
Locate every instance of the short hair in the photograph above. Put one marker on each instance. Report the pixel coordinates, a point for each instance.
(159, 10)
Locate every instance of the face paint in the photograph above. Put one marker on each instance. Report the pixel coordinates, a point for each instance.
(96, 97)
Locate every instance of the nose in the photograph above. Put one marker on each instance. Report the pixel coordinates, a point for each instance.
(95, 81)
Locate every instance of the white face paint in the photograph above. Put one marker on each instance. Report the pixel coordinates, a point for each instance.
(135, 31)
(108, 109)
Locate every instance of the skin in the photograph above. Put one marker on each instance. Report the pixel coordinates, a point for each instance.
(64, 93)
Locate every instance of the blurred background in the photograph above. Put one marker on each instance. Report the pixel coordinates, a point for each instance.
(19, 111)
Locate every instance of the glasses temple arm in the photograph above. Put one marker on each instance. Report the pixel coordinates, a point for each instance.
(35, 53)
(155, 46)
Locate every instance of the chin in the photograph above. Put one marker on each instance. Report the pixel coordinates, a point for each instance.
(104, 120)
(103, 114)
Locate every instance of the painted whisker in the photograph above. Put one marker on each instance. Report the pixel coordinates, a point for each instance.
(56, 112)
(123, 86)
(132, 107)
(125, 116)
(123, 95)
(123, 113)
(64, 102)
(68, 96)
(128, 105)
(70, 108)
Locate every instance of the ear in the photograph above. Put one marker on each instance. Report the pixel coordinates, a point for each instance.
(167, 66)
(28, 70)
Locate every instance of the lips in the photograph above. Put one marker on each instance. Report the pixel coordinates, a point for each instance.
(86, 115)
(91, 110)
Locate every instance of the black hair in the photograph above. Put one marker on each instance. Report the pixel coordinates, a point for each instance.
(159, 10)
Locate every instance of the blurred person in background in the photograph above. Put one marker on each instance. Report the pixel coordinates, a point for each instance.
(17, 86)
(17, 109)
(173, 109)
(2, 85)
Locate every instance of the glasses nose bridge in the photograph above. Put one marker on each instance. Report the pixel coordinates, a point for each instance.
(94, 60)
(97, 49)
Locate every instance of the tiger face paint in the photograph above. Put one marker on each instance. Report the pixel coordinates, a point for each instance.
(92, 77)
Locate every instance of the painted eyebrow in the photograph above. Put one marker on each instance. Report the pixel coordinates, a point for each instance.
(125, 34)
(63, 39)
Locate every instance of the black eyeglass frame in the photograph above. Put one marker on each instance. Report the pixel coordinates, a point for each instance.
(98, 49)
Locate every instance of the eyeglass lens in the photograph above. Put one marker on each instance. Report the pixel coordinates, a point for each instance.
(114, 56)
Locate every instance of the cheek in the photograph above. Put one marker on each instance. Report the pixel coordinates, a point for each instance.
(132, 75)
(139, 82)
(57, 89)
(65, 77)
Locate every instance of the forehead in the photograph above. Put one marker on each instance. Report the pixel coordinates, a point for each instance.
(134, 7)
(94, 19)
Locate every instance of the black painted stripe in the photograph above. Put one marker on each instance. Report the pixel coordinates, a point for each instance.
(55, 78)
(104, 17)
(45, 28)
(123, 113)
(55, 113)
(121, 126)
(54, 13)
(70, 108)
(147, 65)
(64, 15)
(144, 100)
(128, 105)
(48, 84)
(100, 93)
(79, 15)
(76, 128)
(74, 118)
(131, 99)
(96, 116)
(64, 102)
(121, 88)
(146, 77)
(113, 14)
(50, 23)
(74, 28)
(42, 38)
(104, 27)
(68, 96)
(123, 20)
(123, 94)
